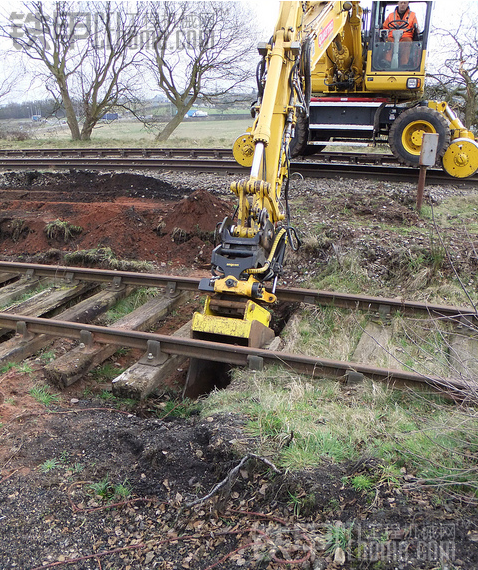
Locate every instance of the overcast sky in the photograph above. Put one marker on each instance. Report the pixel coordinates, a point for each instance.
(264, 13)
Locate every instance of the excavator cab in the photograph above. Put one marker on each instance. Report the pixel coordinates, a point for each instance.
(397, 48)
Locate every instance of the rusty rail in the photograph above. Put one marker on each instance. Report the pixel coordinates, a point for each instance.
(381, 305)
(351, 165)
(158, 346)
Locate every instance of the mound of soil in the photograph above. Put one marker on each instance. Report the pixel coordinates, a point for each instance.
(142, 219)
(85, 186)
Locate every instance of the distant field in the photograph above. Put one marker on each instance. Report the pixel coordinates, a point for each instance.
(120, 133)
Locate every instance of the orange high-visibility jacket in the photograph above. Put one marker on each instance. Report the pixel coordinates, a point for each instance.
(409, 23)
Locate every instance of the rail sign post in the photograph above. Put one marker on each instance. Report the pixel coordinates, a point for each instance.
(428, 156)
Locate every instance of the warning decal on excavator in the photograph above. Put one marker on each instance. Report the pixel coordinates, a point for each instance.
(324, 34)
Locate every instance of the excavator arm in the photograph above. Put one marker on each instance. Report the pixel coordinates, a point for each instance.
(252, 243)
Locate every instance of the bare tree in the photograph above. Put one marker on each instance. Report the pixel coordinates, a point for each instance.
(7, 83)
(456, 78)
(199, 50)
(85, 48)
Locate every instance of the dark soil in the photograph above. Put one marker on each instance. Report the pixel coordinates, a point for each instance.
(52, 515)
(153, 458)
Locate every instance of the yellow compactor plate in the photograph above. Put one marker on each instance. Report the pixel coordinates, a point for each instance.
(461, 158)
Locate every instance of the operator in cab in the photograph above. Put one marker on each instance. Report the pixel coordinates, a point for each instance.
(402, 18)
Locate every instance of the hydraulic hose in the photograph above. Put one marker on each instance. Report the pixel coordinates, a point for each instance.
(267, 264)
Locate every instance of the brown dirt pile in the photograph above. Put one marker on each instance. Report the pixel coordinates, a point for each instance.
(145, 229)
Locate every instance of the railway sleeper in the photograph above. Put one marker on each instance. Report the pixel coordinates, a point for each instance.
(49, 302)
(142, 378)
(17, 349)
(70, 367)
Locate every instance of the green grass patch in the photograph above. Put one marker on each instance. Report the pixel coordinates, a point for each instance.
(22, 367)
(105, 257)
(106, 372)
(26, 296)
(43, 395)
(343, 273)
(62, 230)
(49, 465)
(362, 483)
(109, 492)
(308, 423)
(328, 331)
(8, 366)
(47, 356)
(125, 306)
(184, 408)
(130, 132)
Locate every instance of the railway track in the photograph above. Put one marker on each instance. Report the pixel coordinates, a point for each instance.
(325, 164)
(159, 349)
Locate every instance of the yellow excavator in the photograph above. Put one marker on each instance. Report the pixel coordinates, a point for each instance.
(330, 73)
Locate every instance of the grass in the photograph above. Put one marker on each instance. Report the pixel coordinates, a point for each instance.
(47, 356)
(106, 372)
(178, 409)
(343, 273)
(8, 366)
(23, 367)
(125, 132)
(435, 441)
(62, 230)
(43, 395)
(39, 289)
(338, 536)
(108, 492)
(362, 483)
(105, 257)
(458, 212)
(330, 332)
(49, 465)
(422, 345)
(125, 306)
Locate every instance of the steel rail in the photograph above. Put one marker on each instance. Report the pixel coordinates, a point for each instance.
(107, 276)
(151, 157)
(222, 153)
(152, 152)
(105, 163)
(126, 152)
(214, 165)
(157, 347)
(382, 305)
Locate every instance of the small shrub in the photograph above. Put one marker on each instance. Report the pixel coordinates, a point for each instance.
(18, 228)
(108, 492)
(338, 536)
(15, 135)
